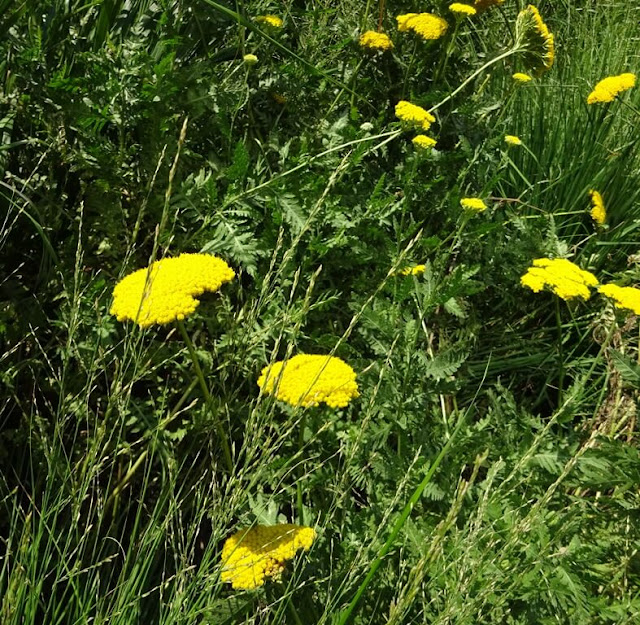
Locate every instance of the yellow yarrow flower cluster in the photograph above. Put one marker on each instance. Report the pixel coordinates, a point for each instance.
(563, 277)
(423, 142)
(427, 25)
(271, 20)
(534, 39)
(608, 88)
(413, 114)
(462, 9)
(250, 59)
(512, 140)
(482, 5)
(372, 40)
(308, 380)
(598, 211)
(523, 78)
(626, 297)
(413, 271)
(167, 290)
(473, 204)
(252, 555)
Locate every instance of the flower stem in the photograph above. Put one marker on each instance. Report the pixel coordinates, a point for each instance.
(560, 352)
(207, 397)
(300, 504)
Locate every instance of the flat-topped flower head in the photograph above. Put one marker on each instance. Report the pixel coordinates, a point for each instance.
(534, 40)
(521, 77)
(309, 379)
(418, 270)
(252, 555)
(598, 211)
(608, 88)
(512, 140)
(561, 276)
(482, 5)
(168, 289)
(414, 115)
(374, 41)
(270, 20)
(625, 297)
(250, 59)
(422, 142)
(473, 204)
(460, 9)
(426, 25)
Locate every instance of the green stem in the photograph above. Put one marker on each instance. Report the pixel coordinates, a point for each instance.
(207, 397)
(404, 515)
(560, 352)
(303, 424)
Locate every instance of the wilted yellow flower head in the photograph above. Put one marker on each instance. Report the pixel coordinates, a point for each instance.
(535, 40)
(413, 271)
(474, 204)
(608, 88)
(462, 9)
(167, 290)
(426, 25)
(252, 555)
(271, 20)
(520, 77)
(308, 380)
(598, 211)
(512, 140)
(250, 59)
(481, 5)
(626, 297)
(375, 41)
(423, 142)
(562, 276)
(413, 114)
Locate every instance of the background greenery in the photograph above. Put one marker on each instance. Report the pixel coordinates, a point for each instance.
(115, 504)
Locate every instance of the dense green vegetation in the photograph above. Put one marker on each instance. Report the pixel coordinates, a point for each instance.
(489, 470)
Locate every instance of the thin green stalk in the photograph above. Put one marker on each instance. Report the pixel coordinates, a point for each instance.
(207, 397)
(560, 352)
(399, 524)
(303, 424)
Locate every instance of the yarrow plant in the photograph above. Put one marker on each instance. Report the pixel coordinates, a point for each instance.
(535, 40)
(270, 20)
(473, 204)
(609, 88)
(426, 25)
(250, 59)
(512, 140)
(423, 142)
(167, 290)
(598, 211)
(522, 77)
(625, 297)
(561, 276)
(414, 115)
(309, 379)
(372, 40)
(458, 8)
(413, 271)
(251, 556)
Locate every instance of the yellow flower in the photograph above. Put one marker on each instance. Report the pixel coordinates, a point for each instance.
(512, 140)
(608, 88)
(426, 25)
(520, 77)
(375, 41)
(626, 297)
(307, 380)
(562, 276)
(535, 40)
(598, 211)
(462, 9)
(473, 204)
(413, 271)
(423, 142)
(481, 5)
(167, 290)
(252, 555)
(414, 114)
(250, 59)
(271, 20)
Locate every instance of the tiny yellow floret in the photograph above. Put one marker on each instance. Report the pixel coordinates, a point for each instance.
(563, 277)
(271, 20)
(413, 114)
(309, 379)
(167, 290)
(474, 204)
(418, 270)
(372, 40)
(626, 297)
(462, 9)
(425, 25)
(252, 555)
(521, 77)
(598, 211)
(423, 142)
(512, 140)
(608, 88)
